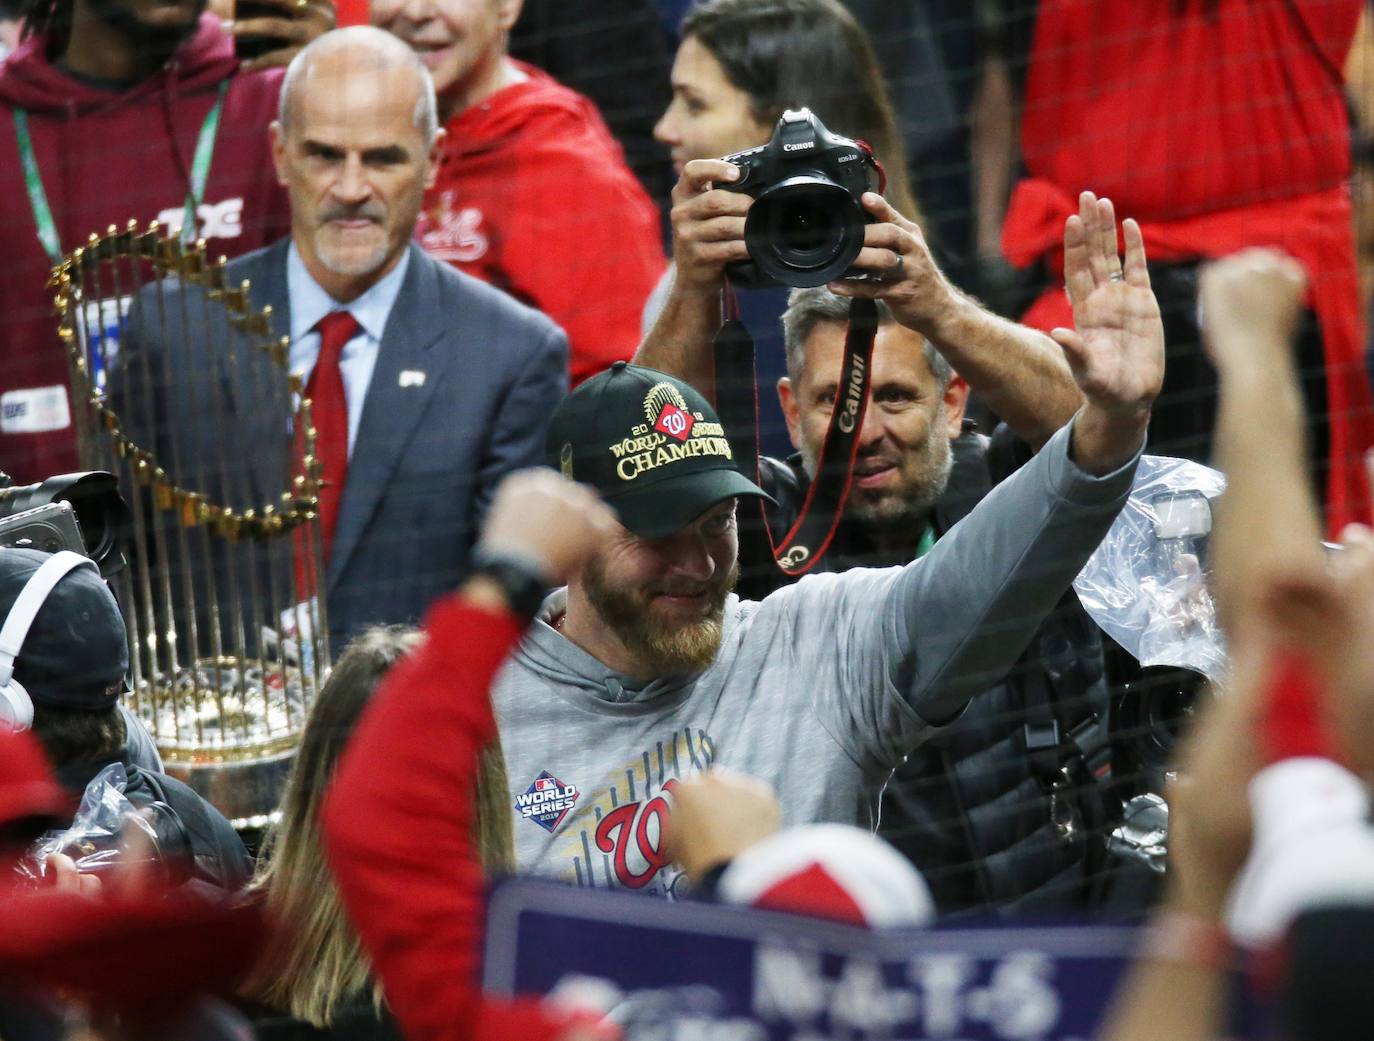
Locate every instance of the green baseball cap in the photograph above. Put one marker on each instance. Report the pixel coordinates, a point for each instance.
(650, 444)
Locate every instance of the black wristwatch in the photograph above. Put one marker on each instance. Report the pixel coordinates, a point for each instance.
(522, 582)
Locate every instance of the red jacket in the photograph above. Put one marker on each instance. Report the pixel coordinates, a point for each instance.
(106, 157)
(534, 197)
(1218, 128)
(398, 830)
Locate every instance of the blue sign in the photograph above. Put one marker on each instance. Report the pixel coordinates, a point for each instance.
(688, 972)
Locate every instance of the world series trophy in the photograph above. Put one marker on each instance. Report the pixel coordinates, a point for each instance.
(227, 630)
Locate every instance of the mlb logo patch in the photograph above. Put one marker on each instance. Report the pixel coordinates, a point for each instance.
(674, 422)
(547, 801)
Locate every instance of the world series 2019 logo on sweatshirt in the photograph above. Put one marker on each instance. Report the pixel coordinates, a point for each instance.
(547, 801)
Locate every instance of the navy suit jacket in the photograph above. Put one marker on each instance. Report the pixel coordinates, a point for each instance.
(465, 383)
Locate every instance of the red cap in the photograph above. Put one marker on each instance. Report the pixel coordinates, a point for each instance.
(831, 871)
(26, 786)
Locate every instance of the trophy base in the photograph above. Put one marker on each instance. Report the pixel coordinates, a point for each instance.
(228, 727)
(248, 793)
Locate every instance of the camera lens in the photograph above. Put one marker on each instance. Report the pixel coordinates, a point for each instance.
(1154, 709)
(805, 231)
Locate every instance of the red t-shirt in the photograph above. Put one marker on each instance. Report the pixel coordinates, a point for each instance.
(534, 197)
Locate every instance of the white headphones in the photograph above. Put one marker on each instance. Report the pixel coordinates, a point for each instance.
(16, 708)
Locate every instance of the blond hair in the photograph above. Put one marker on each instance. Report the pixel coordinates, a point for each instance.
(315, 964)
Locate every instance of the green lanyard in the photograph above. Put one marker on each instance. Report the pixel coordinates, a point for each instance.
(38, 199)
(927, 542)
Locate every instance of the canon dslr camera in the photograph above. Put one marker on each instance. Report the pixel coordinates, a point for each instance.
(806, 225)
(82, 512)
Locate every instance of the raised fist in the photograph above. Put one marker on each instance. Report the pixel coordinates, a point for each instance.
(543, 516)
(716, 816)
(1249, 303)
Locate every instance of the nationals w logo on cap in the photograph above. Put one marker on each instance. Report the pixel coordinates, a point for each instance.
(666, 408)
(650, 444)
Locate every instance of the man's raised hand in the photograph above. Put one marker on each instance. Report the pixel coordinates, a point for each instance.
(297, 24)
(716, 816)
(1116, 348)
(903, 273)
(1249, 304)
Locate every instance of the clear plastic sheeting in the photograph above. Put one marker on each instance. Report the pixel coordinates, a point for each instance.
(1147, 584)
(111, 831)
(96, 838)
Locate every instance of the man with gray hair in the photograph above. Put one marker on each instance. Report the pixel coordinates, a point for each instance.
(903, 464)
(427, 385)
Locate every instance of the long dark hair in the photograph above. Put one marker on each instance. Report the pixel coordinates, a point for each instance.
(789, 53)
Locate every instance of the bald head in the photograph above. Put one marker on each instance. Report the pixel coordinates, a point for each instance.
(347, 53)
(356, 148)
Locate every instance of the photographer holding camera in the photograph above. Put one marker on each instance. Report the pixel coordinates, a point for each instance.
(741, 63)
(63, 658)
(1036, 741)
(1019, 372)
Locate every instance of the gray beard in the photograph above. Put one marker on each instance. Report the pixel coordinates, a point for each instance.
(908, 514)
(891, 516)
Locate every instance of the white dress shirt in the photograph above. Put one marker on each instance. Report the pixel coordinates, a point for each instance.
(310, 303)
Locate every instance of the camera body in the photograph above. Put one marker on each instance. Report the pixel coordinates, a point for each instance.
(81, 512)
(806, 225)
(165, 847)
(49, 529)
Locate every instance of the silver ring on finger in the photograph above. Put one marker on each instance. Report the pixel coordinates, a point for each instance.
(896, 272)
(1116, 276)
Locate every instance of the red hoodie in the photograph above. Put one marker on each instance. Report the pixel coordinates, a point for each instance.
(106, 157)
(534, 197)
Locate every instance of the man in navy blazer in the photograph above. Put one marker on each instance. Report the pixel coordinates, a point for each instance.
(449, 383)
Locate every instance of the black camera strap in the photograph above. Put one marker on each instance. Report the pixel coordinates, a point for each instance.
(806, 542)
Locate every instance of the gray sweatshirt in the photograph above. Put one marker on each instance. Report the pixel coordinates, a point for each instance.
(819, 689)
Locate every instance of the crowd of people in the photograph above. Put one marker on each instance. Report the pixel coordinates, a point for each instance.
(641, 576)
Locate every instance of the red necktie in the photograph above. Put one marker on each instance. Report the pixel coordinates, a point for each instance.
(329, 414)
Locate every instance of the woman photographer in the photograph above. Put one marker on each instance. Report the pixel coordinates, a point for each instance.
(314, 981)
(740, 65)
